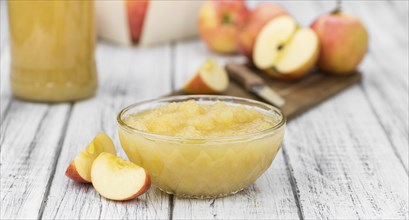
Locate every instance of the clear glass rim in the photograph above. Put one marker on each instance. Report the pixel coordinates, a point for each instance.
(215, 98)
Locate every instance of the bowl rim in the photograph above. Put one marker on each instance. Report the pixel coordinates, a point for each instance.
(214, 98)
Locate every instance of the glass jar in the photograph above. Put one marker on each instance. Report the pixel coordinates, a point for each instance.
(52, 50)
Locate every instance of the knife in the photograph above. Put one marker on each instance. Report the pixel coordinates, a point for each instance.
(253, 83)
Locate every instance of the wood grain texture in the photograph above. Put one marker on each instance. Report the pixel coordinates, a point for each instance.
(402, 9)
(387, 85)
(347, 170)
(123, 80)
(30, 143)
(270, 197)
(5, 95)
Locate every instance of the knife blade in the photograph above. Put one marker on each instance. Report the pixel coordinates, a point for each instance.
(253, 83)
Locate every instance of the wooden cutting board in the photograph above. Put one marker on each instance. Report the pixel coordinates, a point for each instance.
(301, 95)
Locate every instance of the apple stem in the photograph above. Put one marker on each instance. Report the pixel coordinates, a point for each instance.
(337, 7)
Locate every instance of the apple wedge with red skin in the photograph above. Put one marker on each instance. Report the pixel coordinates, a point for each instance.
(72, 173)
(118, 179)
(136, 10)
(211, 78)
(79, 169)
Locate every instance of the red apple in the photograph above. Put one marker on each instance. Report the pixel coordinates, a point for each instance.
(219, 24)
(344, 42)
(136, 10)
(259, 16)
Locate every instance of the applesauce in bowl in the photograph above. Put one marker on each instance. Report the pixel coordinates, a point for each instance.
(202, 146)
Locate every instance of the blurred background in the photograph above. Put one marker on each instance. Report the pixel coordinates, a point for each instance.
(186, 33)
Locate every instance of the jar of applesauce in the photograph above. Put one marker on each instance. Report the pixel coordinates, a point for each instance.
(52, 50)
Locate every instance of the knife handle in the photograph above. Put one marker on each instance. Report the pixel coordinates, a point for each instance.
(243, 75)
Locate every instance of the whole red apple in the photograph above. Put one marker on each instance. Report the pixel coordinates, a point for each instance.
(344, 42)
(219, 24)
(136, 10)
(259, 16)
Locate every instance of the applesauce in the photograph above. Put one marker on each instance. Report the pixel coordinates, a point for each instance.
(202, 146)
(52, 49)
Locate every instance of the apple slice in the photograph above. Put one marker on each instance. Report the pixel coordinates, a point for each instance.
(136, 10)
(118, 179)
(80, 168)
(285, 50)
(210, 79)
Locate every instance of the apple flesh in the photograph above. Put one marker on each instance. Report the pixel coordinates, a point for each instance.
(79, 169)
(219, 23)
(136, 10)
(211, 78)
(259, 16)
(285, 50)
(118, 179)
(344, 42)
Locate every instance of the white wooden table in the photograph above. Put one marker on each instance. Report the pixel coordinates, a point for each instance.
(345, 159)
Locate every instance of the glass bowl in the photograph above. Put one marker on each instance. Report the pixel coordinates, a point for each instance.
(202, 167)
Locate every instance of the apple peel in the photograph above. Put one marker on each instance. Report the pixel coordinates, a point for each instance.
(211, 78)
(79, 169)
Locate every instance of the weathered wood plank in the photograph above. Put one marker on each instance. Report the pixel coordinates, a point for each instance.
(5, 102)
(4, 61)
(30, 143)
(343, 164)
(5, 94)
(390, 105)
(127, 75)
(270, 197)
(387, 83)
(402, 9)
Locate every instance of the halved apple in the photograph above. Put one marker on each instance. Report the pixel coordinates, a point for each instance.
(80, 168)
(285, 50)
(211, 78)
(118, 179)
